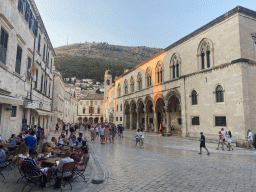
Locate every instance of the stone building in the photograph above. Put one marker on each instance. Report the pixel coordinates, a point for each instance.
(90, 109)
(58, 107)
(202, 82)
(24, 43)
(71, 104)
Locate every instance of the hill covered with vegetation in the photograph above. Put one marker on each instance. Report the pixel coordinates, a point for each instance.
(91, 60)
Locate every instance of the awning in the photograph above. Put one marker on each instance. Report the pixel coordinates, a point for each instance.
(10, 100)
(43, 113)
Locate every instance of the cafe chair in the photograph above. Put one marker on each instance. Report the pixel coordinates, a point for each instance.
(27, 172)
(64, 175)
(80, 172)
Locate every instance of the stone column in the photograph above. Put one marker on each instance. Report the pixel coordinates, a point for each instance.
(124, 120)
(138, 119)
(131, 120)
(168, 119)
(146, 121)
(155, 121)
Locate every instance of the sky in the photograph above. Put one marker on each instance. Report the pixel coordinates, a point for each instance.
(151, 23)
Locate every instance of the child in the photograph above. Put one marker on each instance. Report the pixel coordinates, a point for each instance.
(202, 144)
(229, 140)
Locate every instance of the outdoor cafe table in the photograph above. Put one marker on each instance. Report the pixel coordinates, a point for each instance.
(51, 161)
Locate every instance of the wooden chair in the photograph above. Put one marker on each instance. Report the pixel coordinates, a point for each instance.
(27, 173)
(80, 172)
(64, 176)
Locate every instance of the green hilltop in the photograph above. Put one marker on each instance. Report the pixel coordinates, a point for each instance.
(91, 60)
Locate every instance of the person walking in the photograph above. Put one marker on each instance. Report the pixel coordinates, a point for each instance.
(202, 144)
(223, 138)
(137, 137)
(113, 134)
(102, 134)
(250, 139)
(141, 138)
(106, 135)
(66, 129)
(110, 134)
(229, 141)
(220, 140)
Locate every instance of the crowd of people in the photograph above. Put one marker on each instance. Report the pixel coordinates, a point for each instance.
(32, 146)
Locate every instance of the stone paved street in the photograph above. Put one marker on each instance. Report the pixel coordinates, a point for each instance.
(164, 164)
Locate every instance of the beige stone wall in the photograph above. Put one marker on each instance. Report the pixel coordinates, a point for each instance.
(13, 22)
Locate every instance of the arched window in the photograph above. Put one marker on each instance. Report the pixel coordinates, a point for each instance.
(219, 94)
(119, 90)
(148, 77)
(108, 82)
(98, 110)
(194, 97)
(125, 87)
(139, 80)
(121, 107)
(84, 110)
(159, 73)
(132, 85)
(91, 110)
(175, 66)
(204, 52)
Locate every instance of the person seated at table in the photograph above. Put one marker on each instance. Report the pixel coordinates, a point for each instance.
(79, 142)
(81, 136)
(53, 143)
(61, 140)
(45, 154)
(82, 163)
(59, 167)
(23, 153)
(12, 140)
(2, 156)
(37, 169)
(30, 141)
(72, 141)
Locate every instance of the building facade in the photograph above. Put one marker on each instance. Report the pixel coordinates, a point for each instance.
(71, 104)
(24, 43)
(203, 82)
(90, 109)
(58, 107)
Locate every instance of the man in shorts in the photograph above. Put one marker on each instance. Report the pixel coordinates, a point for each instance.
(202, 144)
(223, 138)
(102, 134)
(250, 140)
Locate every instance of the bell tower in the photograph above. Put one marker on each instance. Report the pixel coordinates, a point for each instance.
(107, 83)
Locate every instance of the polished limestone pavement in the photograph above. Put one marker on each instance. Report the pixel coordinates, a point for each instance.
(164, 164)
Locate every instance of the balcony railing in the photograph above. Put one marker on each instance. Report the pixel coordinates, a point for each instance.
(3, 51)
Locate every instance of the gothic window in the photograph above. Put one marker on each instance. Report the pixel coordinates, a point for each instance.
(3, 45)
(91, 110)
(108, 82)
(204, 52)
(148, 77)
(139, 80)
(98, 110)
(119, 90)
(159, 73)
(175, 66)
(194, 97)
(219, 94)
(121, 107)
(132, 85)
(84, 110)
(125, 87)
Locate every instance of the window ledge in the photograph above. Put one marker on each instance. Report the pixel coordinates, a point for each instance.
(17, 74)
(3, 66)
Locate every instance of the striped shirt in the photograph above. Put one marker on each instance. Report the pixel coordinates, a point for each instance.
(33, 164)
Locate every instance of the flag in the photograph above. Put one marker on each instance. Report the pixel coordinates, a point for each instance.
(33, 73)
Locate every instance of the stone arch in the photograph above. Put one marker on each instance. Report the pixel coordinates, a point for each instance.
(126, 112)
(148, 98)
(96, 120)
(85, 120)
(157, 96)
(171, 93)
